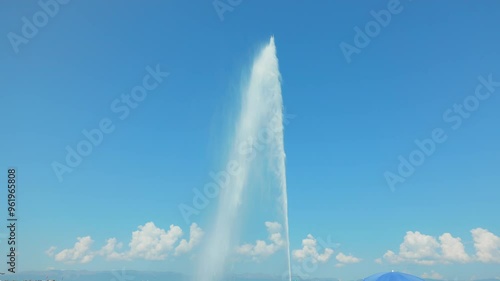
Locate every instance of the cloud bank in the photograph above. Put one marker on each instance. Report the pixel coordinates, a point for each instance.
(418, 248)
(148, 242)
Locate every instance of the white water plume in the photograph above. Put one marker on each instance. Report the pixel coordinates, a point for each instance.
(260, 120)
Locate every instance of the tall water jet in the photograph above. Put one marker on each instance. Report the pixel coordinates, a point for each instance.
(259, 124)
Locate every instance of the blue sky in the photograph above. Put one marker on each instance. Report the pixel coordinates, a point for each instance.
(351, 122)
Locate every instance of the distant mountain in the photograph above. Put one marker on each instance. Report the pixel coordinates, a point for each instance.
(132, 275)
(84, 275)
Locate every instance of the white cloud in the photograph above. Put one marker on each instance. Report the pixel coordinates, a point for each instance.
(309, 251)
(149, 242)
(80, 253)
(195, 235)
(487, 245)
(391, 257)
(345, 259)
(433, 275)
(423, 249)
(453, 249)
(109, 250)
(152, 243)
(261, 249)
(416, 248)
(426, 250)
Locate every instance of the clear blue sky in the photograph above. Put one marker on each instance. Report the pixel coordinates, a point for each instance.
(352, 121)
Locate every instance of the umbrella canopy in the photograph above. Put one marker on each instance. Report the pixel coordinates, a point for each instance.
(392, 276)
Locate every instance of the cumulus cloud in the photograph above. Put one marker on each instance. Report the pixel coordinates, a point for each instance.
(148, 242)
(80, 253)
(195, 235)
(345, 259)
(109, 250)
(153, 243)
(423, 249)
(418, 247)
(261, 248)
(487, 245)
(310, 251)
(453, 249)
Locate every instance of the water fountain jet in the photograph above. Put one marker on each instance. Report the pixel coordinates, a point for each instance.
(261, 112)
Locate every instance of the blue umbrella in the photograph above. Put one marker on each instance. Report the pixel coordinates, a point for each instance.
(392, 276)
